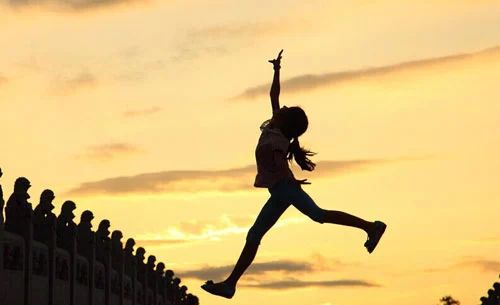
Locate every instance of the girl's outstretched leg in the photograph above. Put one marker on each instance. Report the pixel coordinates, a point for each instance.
(268, 216)
(304, 203)
(246, 258)
(345, 219)
(375, 229)
(227, 288)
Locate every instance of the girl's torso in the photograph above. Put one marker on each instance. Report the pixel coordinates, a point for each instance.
(270, 156)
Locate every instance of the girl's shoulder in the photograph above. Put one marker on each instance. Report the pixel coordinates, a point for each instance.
(265, 125)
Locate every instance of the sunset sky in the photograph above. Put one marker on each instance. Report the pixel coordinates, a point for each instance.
(148, 113)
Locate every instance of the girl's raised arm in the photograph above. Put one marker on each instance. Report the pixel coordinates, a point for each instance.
(275, 87)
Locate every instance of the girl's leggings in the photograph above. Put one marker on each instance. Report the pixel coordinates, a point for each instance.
(283, 194)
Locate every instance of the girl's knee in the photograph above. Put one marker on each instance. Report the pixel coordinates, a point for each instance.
(318, 215)
(253, 236)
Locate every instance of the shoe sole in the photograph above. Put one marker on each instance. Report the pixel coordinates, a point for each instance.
(223, 294)
(380, 232)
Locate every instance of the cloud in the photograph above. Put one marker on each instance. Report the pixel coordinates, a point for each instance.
(3, 79)
(221, 39)
(296, 283)
(73, 83)
(228, 180)
(106, 152)
(250, 29)
(313, 81)
(262, 274)
(282, 267)
(142, 112)
(485, 265)
(75, 5)
(196, 230)
(158, 242)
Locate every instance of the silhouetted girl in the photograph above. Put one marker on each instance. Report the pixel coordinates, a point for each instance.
(272, 154)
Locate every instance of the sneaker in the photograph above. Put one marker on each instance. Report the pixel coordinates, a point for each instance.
(220, 289)
(375, 235)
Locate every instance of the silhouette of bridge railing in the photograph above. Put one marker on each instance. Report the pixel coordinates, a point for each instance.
(49, 260)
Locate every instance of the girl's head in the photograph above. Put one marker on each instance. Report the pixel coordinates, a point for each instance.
(292, 121)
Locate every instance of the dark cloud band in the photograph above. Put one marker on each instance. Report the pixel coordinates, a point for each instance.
(235, 179)
(312, 81)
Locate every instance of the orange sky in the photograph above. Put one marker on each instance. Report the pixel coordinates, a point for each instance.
(147, 113)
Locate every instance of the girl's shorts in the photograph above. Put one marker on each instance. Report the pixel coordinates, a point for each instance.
(283, 194)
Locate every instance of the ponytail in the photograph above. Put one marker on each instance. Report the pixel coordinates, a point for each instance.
(301, 155)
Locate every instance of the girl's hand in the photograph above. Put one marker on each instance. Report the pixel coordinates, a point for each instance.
(302, 181)
(276, 62)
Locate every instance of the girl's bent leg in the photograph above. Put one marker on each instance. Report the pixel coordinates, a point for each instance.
(246, 258)
(267, 217)
(345, 219)
(305, 204)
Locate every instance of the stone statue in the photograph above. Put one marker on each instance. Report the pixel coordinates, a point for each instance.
(102, 240)
(116, 249)
(85, 236)
(18, 211)
(151, 271)
(2, 203)
(44, 220)
(128, 256)
(65, 225)
(141, 267)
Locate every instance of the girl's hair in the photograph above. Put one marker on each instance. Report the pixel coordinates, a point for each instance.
(293, 123)
(301, 155)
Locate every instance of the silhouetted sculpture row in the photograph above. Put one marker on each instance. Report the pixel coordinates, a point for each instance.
(493, 297)
(94, 268)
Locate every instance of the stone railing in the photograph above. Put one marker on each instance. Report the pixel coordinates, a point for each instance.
(49, 260)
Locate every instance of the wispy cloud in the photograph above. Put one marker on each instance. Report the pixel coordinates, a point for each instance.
(109, 151)
(213, 230)
(296, 283)
(228, 180)
(485, 265)
(220, 39)
(250, 29)
(159, 242)
(313, 81)
(72, 5)
(142, 112)
(315, 263)
(263, 274)
(72, 83)
(3, 79)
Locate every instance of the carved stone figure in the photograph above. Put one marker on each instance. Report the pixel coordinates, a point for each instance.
(117, 249)
(18, 211)
(128, 257)
(141, 267)
(169, 274)
(102, 240)
(85, 236)
(44, 220)
(2, 203)
(151, 271)
(66, 228)
(160, 280)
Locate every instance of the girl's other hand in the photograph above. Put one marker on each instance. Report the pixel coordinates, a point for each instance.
(276, 62)
(302, 181)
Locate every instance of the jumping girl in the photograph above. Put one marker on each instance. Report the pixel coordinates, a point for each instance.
(272, 154)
